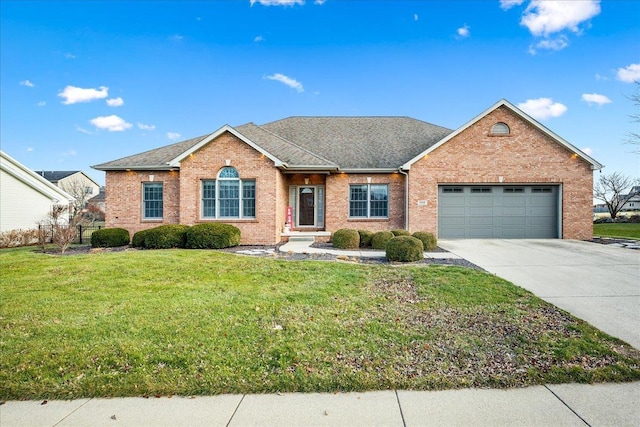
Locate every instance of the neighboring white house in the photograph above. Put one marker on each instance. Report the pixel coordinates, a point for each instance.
(26, 198)
(633, 204)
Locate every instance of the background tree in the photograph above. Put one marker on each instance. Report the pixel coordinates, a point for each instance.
(78, 189)
(634, 137)
(614, 191)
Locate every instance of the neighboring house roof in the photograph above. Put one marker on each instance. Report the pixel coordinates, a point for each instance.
(503, 102)
(55, 176)
(98, 197)
(329, 143)
(33, 180)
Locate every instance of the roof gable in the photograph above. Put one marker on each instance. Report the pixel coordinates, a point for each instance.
(503, 102)
(32, 179)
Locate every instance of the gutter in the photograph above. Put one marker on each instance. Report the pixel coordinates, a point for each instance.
(406, 198)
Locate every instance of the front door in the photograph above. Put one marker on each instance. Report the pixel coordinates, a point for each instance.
(306, 208)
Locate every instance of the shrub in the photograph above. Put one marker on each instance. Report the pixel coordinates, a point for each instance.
(400, 232)
(428, 240)
(212, 236)
(13, 238)
(166, 237)
(365, 238)
(380, 239)
(604, 220)
(346, 238)
(138, 238)
(404, 249)
(634, 218)
(109, 238)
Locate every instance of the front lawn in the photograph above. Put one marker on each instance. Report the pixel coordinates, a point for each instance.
(198, 322)
(621, 230)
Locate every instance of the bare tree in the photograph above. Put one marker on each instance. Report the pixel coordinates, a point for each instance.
(613, 190)
(634, 137)
(78, 189)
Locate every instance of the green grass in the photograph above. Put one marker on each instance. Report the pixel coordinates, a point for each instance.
(197, 322)
(622, 230)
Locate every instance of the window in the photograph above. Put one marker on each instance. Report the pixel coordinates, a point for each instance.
(452, 189)
(369, 201)
(541, 190)
(500, 129)
(88, 190)
(228, 196)
(481, 189)
(152, 200)
(513, 190)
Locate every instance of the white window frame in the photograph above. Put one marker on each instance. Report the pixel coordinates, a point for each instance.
(369, 216)
(241, 199)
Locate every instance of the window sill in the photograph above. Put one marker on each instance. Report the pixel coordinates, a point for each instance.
(152, 220)
(228, 220)
(368, 219)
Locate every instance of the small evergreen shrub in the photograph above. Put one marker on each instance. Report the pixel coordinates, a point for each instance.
(166, 237)
(346, 238)
(428, 239)
(400, 232)
(634, 219)
(109, 238)
(137, 241)
(212, 236)
(380, 239)
(365, 238)
(404, 249)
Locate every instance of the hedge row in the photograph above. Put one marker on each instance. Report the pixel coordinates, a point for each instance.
(399, 245)
(200, 236)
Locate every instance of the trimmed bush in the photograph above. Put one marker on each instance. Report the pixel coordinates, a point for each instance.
(137, 241)
(109, 238)
(212, 236)
(428, 240)
(365, 238)
(404, 249)
(346, 238)
(380, 239)
(166, 237)
(400, 232)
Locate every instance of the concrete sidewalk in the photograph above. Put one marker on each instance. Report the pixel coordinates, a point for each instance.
(304, 247)
(551, 405)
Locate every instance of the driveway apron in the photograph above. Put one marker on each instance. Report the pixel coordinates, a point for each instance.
(597, 283)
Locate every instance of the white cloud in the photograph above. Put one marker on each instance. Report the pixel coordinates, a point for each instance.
(588, 151)
(176, 38)
(41, 104)
(319, 2)
(111, 123)
(173, 135)
(29, 149)
(629, 74)
(598, 76)
(258, 39)
(27, 83)
(292, 83)
(115, 102)
(280, 2)
(69, 153)
(557, 43)
(542, 108)
(73, 94)
(69, 56)
(146, 127)
(464, 31)
(508, 4)
(594, 98)
(544, 17)
(415, 16)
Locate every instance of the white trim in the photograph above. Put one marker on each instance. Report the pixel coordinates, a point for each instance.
(33, 180)
(226, 128)
(595, 165)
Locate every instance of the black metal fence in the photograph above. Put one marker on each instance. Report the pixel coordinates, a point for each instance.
(84, 232)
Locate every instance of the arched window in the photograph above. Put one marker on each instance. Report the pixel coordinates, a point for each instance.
(500, 129)
(228, 196)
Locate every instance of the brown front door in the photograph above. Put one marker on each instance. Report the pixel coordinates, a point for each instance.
(306, 208)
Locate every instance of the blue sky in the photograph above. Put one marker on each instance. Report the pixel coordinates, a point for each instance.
(82, 83)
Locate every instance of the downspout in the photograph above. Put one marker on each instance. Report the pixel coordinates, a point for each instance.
(406, 198)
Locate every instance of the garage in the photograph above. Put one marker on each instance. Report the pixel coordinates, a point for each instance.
(498, 211)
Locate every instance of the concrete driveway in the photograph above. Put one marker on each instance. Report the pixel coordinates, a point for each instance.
(597, 283)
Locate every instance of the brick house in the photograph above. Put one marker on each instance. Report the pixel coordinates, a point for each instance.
(501, 175)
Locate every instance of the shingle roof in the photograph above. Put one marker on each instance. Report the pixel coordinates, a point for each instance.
(322, 142)
(55, 176)
(360, 142)
(152, 159)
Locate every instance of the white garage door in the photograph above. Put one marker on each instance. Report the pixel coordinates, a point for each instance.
(498, 211)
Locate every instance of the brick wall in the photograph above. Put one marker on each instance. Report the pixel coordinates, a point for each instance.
(250, 164)
(525, 156)
(337, 202)
(123, 199)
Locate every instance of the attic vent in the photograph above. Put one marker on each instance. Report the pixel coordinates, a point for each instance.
(500, 129)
